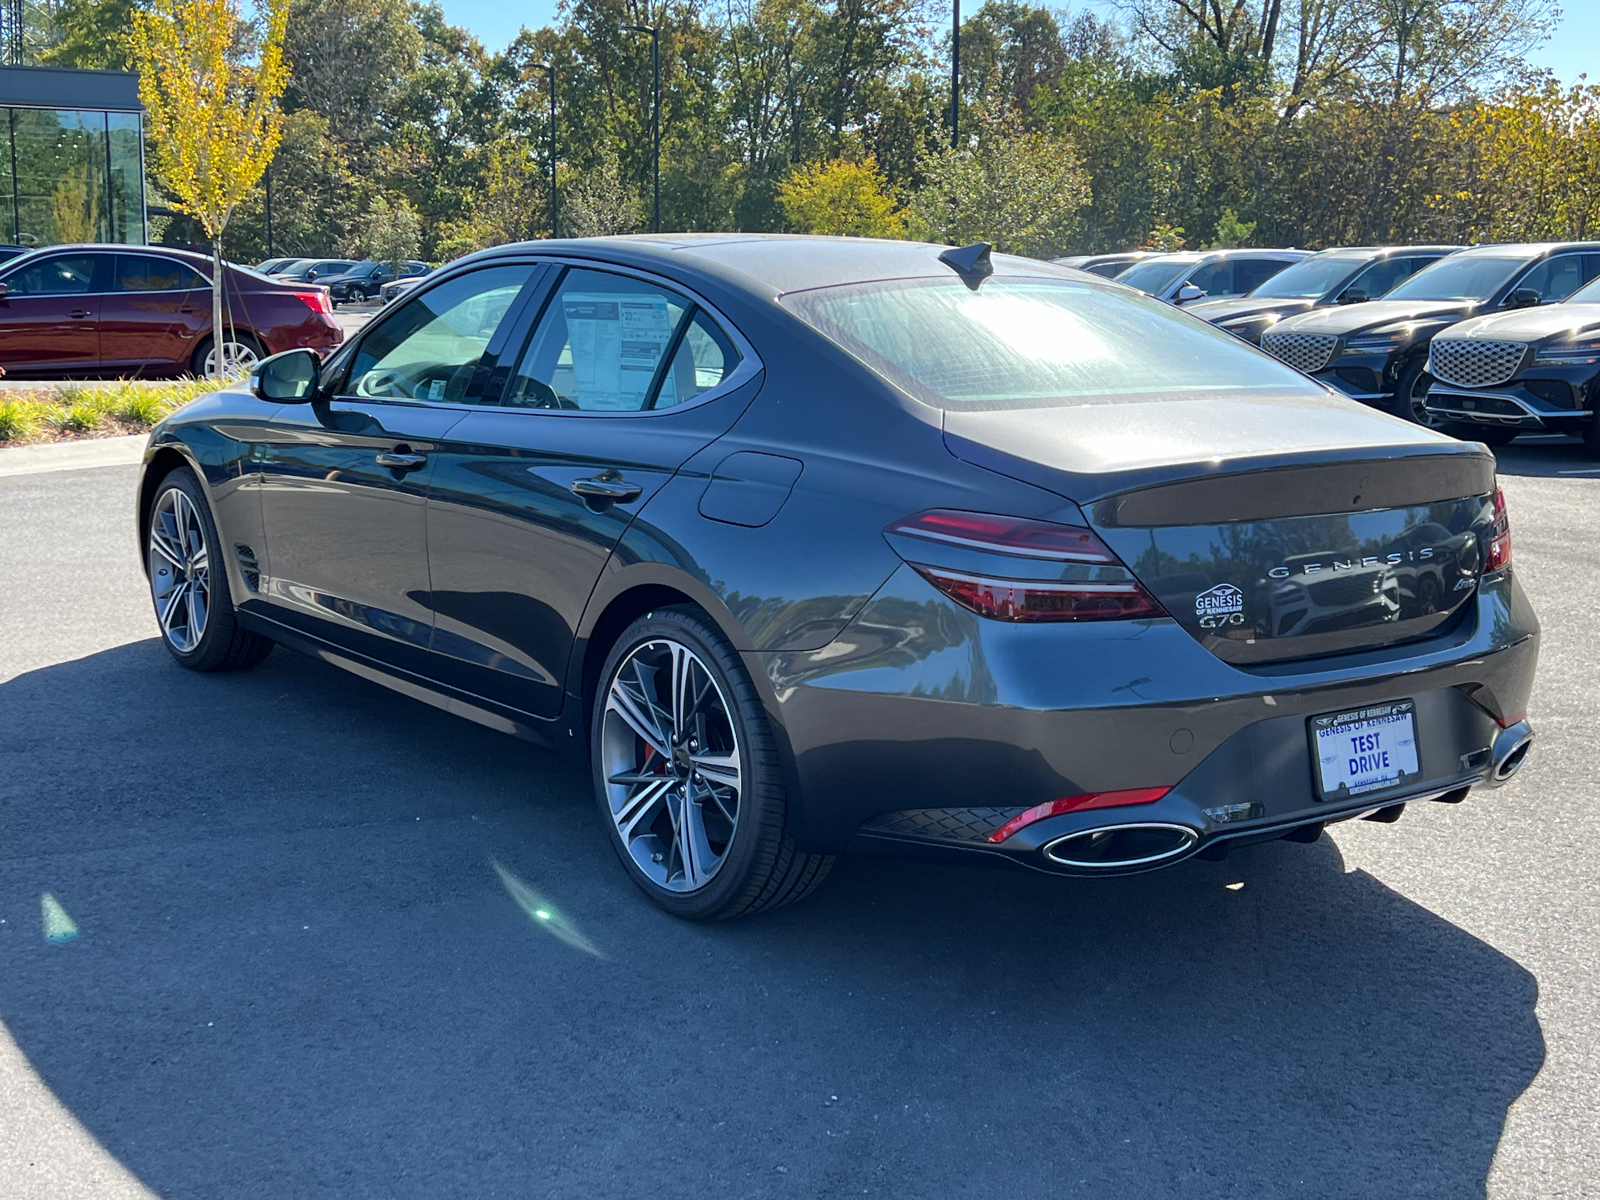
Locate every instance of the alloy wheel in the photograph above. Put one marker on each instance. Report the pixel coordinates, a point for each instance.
(238, 359)
(1417, 400)
(180, 570)
(670, 753)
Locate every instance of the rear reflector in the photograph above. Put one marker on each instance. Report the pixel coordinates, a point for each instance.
(1054, 808)
(1500, 540)
(317, 301)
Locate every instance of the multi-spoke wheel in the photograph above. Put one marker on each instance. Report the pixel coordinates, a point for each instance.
(1411, 395)
(189, 584)
(180, 570)
(671, 758)
(240, 353)
(686, 774)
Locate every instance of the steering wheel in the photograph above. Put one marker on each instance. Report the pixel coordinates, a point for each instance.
(392, 383)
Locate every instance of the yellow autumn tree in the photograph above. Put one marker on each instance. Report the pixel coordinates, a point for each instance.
(211, 86)
(842, 198)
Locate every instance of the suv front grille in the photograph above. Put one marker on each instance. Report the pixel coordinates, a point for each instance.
(1469, 362)
(1308, 352)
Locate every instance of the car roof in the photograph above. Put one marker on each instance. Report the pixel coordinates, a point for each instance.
(774, 263)
(1526, 249)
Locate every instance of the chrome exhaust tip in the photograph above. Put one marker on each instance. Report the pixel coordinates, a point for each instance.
(1112, 846)
(1509, 752)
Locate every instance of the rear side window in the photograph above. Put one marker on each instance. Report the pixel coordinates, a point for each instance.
(141, 273)
(64, 275)
(1020, 342)
(704, 358)
(1377, 279)
(1251, 273)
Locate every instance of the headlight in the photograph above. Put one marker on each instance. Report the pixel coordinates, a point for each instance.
(1369, 343)
(1570, 354)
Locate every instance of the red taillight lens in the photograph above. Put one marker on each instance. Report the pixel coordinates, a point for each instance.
(1030, 600)
(1054, 808)
(1015, 569)
(1500, 540)
(316, 301)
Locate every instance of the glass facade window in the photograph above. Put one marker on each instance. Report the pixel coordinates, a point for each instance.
(70, 175)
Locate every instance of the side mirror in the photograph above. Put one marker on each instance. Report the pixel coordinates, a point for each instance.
(290, 377)
(1354, 296)
(1523, 298)
(1189, 292)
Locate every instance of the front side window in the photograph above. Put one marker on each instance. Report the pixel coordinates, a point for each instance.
(430, 347)
(1473, 277)
(1214, 279)
(64, 275)
(1555, 278)
(600, 346)
(1020, 342)
(1250, 273)
(1382, 277)
(141, 273)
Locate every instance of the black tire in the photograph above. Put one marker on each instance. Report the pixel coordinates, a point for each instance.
(223, 644)
(197, 361)
(761, 867)
(1409, 392)
(1489, 435)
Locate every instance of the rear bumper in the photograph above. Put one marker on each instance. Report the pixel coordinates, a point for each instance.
(922, 729)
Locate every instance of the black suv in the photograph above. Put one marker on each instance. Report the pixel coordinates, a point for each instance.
(1349, 275)
(364, 280)
(1506, 373)
(1190, 276)
(1378, 352)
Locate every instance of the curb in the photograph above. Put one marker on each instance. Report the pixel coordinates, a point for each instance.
(73, 456)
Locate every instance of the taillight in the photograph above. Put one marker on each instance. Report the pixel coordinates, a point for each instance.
(1054, 808)
(1499, 555)
(1015, 569)
(316, 301)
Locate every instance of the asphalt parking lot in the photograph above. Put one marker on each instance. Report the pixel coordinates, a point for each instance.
(277, 934)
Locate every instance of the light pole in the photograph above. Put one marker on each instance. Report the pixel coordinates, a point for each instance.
(655, 118)
(550, 73)
(955, 76)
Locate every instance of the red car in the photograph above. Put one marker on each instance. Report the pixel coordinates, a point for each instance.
(145, 311)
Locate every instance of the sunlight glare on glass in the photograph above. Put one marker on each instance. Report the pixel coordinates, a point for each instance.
(1036, 328)
(542, 913)
(58, 926)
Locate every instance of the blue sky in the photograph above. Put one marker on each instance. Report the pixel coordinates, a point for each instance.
(1574, 50)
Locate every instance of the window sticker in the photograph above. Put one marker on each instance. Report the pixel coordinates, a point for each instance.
(617, 338)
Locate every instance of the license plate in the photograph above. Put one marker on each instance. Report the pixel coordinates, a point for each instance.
(1365, 749)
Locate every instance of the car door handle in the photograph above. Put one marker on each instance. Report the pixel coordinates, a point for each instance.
(609, 487)
(401, 462)
(78, 314)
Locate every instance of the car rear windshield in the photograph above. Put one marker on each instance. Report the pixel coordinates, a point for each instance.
(1309, 279)
(1153, 278)
(1459, 277)
(1020, 342)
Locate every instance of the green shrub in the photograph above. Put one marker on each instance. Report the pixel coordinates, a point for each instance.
(18, 422)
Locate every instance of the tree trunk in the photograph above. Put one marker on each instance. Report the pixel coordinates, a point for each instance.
(218, 283)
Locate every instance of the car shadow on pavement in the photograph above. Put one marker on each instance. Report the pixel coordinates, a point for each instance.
(329, 941)
(1548, 456)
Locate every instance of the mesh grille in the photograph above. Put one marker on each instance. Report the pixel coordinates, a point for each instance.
(1308, 352)
(944, 824)
(1469, 362)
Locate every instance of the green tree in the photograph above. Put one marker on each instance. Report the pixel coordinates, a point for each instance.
(841, 198)
(1020, 191)
(601, 202)
(212, 122)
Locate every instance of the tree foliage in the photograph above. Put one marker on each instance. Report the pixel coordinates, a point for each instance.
(847, 199)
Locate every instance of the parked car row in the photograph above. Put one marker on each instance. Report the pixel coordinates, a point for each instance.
(146, 311)
(346, 279)
(1441, 335)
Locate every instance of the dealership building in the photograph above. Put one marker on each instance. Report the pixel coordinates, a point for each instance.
(71, 156)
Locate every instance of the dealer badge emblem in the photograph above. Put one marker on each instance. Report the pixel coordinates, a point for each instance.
(1220, 606)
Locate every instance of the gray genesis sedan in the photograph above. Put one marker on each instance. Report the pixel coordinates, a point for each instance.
(812, 546)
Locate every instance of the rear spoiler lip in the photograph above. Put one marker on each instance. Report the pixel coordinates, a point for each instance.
(1251, 488)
